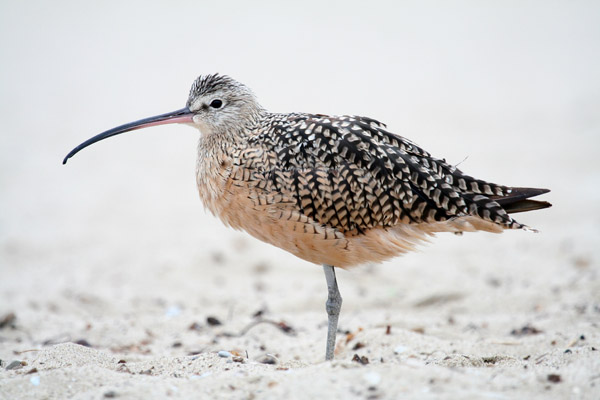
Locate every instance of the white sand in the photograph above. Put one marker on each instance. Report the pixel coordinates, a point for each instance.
(115, 249)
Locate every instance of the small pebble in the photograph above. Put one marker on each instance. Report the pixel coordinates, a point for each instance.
(83, 342)
(400, 349)
(268, 359)
(195, 327)
(372, 378)
(224, 354)
(110, 394)
(173, 311)
(358, 345)
(212, 321)
(14, 365)
(8, 321)
(526, 330)
(554, 378)
(360, 359)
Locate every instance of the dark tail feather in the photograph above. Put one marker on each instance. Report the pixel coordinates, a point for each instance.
(516, 201)
(525, 205)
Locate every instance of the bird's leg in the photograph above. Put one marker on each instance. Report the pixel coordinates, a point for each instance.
(333, 307)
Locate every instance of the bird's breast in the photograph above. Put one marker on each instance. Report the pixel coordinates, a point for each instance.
(227, 180)
(213, 168)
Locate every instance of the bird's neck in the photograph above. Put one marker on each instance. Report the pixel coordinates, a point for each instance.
(238, 131)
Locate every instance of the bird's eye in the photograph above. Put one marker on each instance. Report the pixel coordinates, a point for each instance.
(216, 103)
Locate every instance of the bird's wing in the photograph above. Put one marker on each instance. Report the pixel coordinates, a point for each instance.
(352, 174)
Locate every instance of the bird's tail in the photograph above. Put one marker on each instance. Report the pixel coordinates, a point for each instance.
(517, 200)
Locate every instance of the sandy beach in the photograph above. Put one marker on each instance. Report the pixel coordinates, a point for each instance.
(116, 283)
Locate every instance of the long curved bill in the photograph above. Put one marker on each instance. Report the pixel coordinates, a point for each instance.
(181, 116)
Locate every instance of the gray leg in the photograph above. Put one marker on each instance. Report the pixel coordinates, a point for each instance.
(333, 307)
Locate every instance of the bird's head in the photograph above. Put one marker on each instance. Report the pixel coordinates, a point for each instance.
(217, 104)
(220, 104)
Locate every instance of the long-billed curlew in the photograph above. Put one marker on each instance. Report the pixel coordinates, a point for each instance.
(333, 190)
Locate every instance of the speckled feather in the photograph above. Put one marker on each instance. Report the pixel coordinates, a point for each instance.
(340, 190)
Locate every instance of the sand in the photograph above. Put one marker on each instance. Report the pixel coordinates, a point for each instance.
(116, 277)
(463, 323)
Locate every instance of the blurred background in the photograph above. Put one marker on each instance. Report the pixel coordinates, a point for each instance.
(510, 90)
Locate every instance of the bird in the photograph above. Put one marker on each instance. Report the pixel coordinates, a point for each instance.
(336, 191)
